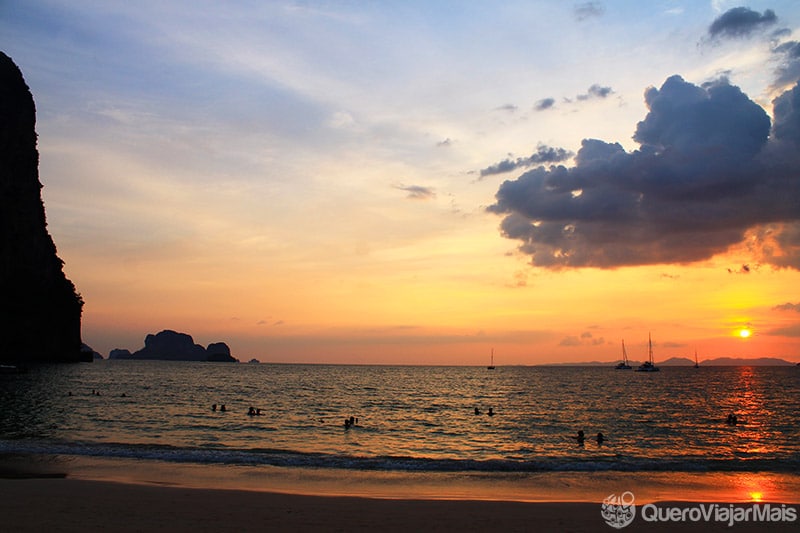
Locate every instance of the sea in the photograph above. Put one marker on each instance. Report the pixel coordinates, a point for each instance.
(410, 420)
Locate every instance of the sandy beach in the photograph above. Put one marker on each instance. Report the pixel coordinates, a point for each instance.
(132, 496)
(77, 505)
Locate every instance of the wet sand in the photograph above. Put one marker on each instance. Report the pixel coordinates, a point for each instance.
(50, 504)
(85, 494)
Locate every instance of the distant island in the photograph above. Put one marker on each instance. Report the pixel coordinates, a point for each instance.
(685, 361)
(169, 345)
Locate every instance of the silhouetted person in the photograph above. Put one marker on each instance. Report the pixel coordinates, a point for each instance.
(490, 413)
(477, 411)
(580, 438)
(251, 411)
(347, 423)
(214, 408)
(600, 438)
(222, 408)
(731, 420)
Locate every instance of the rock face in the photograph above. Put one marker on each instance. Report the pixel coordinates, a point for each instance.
(40, 319)
(119, 353)
(170, 345)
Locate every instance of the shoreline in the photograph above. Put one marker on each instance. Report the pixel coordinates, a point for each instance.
(525, 487)
(44, 504)
(69, 493)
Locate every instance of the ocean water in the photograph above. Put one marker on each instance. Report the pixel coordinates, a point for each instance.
(410, 419)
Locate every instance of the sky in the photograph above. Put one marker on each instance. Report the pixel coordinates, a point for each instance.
(409, 182)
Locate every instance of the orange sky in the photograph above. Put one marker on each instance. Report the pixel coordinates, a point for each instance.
(326, 183)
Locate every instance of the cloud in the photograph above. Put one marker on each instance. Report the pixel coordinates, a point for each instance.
(543, 154)
(787, 307)
(587, 10)
(570, 340)
(788, 70)
(706, 176)
(417, 192)
(511, 108)
(788, 331)
(585, 339)
(745, 269)
(544, 103)
(740, 22)
(595, 91)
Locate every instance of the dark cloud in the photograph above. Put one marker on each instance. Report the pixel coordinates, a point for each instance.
(740, 22)
(788, 56)
(788, 307)
(587, 10)
(543, 154)
(417, 192)
(595, 91)
(745, 269)
(707, 172)
(545, 103)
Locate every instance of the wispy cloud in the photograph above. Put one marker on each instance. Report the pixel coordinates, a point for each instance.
(417, 192)
(587, 10)
(543, 154)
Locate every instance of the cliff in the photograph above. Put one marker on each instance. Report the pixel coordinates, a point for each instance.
(40, 319)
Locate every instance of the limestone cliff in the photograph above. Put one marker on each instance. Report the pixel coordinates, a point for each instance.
(40, 316)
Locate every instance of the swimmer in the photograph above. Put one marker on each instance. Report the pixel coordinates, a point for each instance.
(580, 438)
(600, 438)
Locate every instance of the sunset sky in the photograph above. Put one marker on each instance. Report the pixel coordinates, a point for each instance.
(420, 182)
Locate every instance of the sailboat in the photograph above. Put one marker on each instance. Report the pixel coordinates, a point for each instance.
(648, 366)
(696, 364)
(491, 363)
(623, 365)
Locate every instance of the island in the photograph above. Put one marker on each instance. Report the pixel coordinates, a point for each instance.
(169, 345)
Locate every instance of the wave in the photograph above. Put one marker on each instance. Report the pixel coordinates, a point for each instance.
(290, 458)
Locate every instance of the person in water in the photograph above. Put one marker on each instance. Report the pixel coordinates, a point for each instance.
(731, 420)
(222, 408)
(600, 438)
(477, 411)
(580, 437)
(251, 411)
(491, 412)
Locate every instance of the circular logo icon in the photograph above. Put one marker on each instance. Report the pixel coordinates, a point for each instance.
(618, 511)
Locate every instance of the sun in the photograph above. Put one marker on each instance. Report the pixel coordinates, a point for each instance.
(745, 333)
